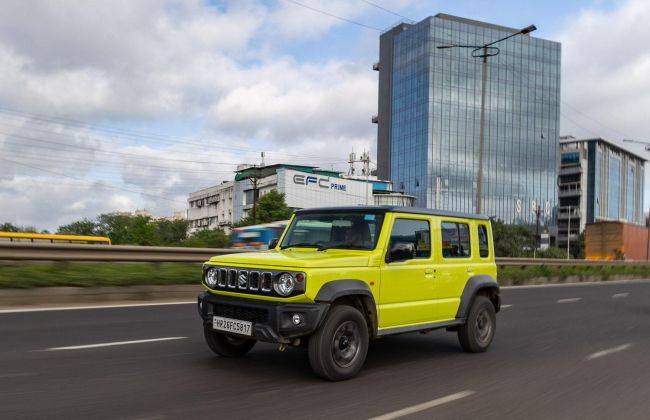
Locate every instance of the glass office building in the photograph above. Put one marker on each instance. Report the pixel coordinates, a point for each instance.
(429, 118)
(598, 181)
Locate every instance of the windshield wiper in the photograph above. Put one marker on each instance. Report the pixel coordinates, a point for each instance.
(300, 245)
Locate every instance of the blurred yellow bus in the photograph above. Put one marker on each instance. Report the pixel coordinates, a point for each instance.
(54, 239)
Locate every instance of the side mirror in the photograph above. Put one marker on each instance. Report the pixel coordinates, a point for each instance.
(273, 243)
(400, 251)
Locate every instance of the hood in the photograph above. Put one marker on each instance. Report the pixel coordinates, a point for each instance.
(296, 257)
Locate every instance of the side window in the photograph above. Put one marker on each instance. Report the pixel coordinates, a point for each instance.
(483, 247)
(455, 240)
(416, 232)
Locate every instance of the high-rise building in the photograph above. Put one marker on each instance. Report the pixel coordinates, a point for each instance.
(598, 181)
(429, 118)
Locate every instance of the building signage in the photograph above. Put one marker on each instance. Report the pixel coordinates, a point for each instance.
(322, 182)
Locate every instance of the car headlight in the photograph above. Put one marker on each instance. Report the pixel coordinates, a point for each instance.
(284, 284)
(211, 276)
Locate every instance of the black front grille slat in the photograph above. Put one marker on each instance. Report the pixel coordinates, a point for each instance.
(241, 312)
(254, 280)
(232, 279)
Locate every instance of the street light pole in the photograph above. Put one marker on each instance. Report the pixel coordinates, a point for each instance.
(484, 51)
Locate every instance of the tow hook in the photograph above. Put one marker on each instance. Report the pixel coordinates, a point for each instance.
(282, 347)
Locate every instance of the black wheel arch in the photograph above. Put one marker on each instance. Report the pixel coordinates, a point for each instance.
(352, 292)
(481, 284)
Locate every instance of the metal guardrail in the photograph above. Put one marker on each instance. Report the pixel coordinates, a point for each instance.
(14, 251)
(106, 253)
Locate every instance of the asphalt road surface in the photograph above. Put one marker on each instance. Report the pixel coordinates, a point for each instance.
(578, 351)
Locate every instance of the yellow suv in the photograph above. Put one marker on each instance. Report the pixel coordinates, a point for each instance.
(339, 277)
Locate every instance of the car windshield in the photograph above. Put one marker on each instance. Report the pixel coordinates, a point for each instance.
(352, 230)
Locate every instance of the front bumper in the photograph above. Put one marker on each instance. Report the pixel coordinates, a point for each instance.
(271, 320)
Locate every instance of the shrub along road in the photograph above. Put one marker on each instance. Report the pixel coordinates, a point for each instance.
(560, 352)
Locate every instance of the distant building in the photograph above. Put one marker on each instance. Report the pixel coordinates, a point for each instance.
(598, 181)
(176, 215)
(429, 118)
(308, 186)
(211, 207)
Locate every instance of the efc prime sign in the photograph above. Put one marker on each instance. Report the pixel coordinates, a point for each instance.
(307, 190)
(322, 182)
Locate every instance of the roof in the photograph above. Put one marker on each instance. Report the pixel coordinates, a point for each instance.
(476, 22)
(264, 171)
(399, 209)
(610, 143)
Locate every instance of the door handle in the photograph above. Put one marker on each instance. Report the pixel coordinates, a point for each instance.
(429, 272)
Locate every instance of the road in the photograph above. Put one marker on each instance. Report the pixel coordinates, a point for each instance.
(578, 351)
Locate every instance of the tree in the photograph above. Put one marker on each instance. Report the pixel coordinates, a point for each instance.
(271, 207)
(171, 232)
(511, 240)
(80, 227)
(10, 227)
(207, 238)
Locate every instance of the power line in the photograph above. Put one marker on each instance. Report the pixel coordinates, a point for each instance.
(92, 183)
(135, 135)
(333, 15)
(597, 122)
(386, 10)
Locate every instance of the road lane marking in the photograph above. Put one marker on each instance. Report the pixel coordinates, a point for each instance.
(609, 351)
(114, 343)
(74, 308)
(620, 295)
(569, 300)
(506, 306)
(584, 283)
(424, 406)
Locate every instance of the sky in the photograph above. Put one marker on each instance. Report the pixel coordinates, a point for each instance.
(124, 105)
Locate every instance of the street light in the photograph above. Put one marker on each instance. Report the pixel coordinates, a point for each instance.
(484, 51)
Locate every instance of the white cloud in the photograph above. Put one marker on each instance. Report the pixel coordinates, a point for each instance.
(606, 75)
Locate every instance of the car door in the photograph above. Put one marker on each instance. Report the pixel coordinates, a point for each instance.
(407, 287)
(456, 264)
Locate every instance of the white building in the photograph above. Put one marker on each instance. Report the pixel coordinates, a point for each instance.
(307, 186)
(211, 207)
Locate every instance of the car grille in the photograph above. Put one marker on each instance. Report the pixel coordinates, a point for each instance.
(245, 280)
(241, 313)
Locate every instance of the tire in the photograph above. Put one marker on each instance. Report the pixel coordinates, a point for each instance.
(225, 345)
(478, 332)
(337, 350)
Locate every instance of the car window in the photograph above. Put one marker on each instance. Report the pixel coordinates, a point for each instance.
(455, 240)
(416, 232)
(483, 247)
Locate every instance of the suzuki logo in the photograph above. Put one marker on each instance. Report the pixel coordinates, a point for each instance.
(243, 279)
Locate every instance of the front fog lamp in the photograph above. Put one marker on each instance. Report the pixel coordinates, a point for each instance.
(211, 276)
(284, 284)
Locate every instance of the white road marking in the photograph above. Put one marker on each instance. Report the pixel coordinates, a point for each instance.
(584, 283)
(620, 295)
(74, 308)
(505, 306)
(424, 406)
(569, 300)
(609, 351)
(115, 343)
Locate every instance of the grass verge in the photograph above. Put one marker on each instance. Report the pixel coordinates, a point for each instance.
(29, 275)
(24, 276)
(560, 274)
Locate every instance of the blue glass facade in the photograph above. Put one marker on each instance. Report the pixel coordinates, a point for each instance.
(435, 98)
(614, 187)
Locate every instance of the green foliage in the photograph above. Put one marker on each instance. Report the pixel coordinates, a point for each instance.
(131, 230)
(550, 252)
(270, 207)
(80, 227)
(511, 240)
(10, 227)
(208, 238)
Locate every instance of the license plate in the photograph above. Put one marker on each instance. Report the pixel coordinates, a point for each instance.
(232, 325)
